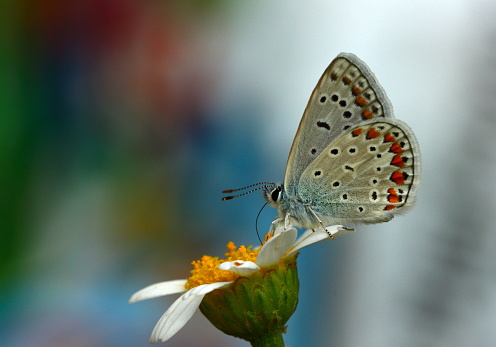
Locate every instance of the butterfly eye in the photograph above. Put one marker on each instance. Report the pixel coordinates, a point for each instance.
(275, 194)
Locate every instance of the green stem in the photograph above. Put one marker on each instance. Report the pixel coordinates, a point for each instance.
(274, 340)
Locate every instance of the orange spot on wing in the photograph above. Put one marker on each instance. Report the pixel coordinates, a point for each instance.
(360, 101)
(389, 138)
(346, 80)
(396, 148)
(398, 161)
(367, 114)
(372, 134)
(357, 132)
(355, 90)
(397, 177)
(389, 207)
(393, 198)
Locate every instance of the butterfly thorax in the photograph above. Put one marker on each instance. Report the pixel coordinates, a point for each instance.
(293, 211)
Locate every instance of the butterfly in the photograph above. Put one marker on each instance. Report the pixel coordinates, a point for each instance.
(351, 161)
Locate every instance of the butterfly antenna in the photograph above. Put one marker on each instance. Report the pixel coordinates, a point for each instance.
(256, 222)
(227, 191)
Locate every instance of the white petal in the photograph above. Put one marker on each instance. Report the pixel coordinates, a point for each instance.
(303, 236)
(159, 289)
(205, 289)
(276, 247)
(240, 267)
(311, 237)
(176, 317)
(341, 231)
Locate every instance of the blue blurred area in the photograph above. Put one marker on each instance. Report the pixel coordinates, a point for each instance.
(121, 122)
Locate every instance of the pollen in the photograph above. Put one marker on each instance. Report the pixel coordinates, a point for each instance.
(206, 270)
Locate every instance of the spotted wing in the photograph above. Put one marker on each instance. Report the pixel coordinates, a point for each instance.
(368, 174)
(346, 95)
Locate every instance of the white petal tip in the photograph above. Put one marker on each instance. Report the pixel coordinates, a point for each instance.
(240, 267)
(178, 314)
(311, 237)
(340, 230)
(205, 289)
(159, 289)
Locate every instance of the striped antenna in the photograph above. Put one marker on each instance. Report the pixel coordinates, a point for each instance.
(227, 191)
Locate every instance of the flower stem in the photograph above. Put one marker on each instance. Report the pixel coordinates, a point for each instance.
(274, 340)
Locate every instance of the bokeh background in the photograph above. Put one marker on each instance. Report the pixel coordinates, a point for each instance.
(122, 120)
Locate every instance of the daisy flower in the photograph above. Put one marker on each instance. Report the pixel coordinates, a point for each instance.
(251, 294)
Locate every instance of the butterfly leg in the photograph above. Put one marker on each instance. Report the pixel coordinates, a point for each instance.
(286, 222)
(279, 220)
(277, 223)
(309, 209)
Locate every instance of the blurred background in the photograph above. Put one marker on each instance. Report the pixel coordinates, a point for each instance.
(122, 120)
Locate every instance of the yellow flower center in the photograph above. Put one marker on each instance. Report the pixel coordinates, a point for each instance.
(206, 269)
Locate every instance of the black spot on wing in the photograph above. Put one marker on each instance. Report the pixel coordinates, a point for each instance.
(324, 125)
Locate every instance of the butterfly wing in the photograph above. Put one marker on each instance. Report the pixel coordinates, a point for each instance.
(368, 174)
(346, 95)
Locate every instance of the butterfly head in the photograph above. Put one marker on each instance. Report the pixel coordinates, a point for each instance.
(273, 194)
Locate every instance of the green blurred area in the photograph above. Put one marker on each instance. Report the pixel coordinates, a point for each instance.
(19, 108)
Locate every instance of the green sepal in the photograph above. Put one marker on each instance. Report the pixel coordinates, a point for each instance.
(255, 308)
